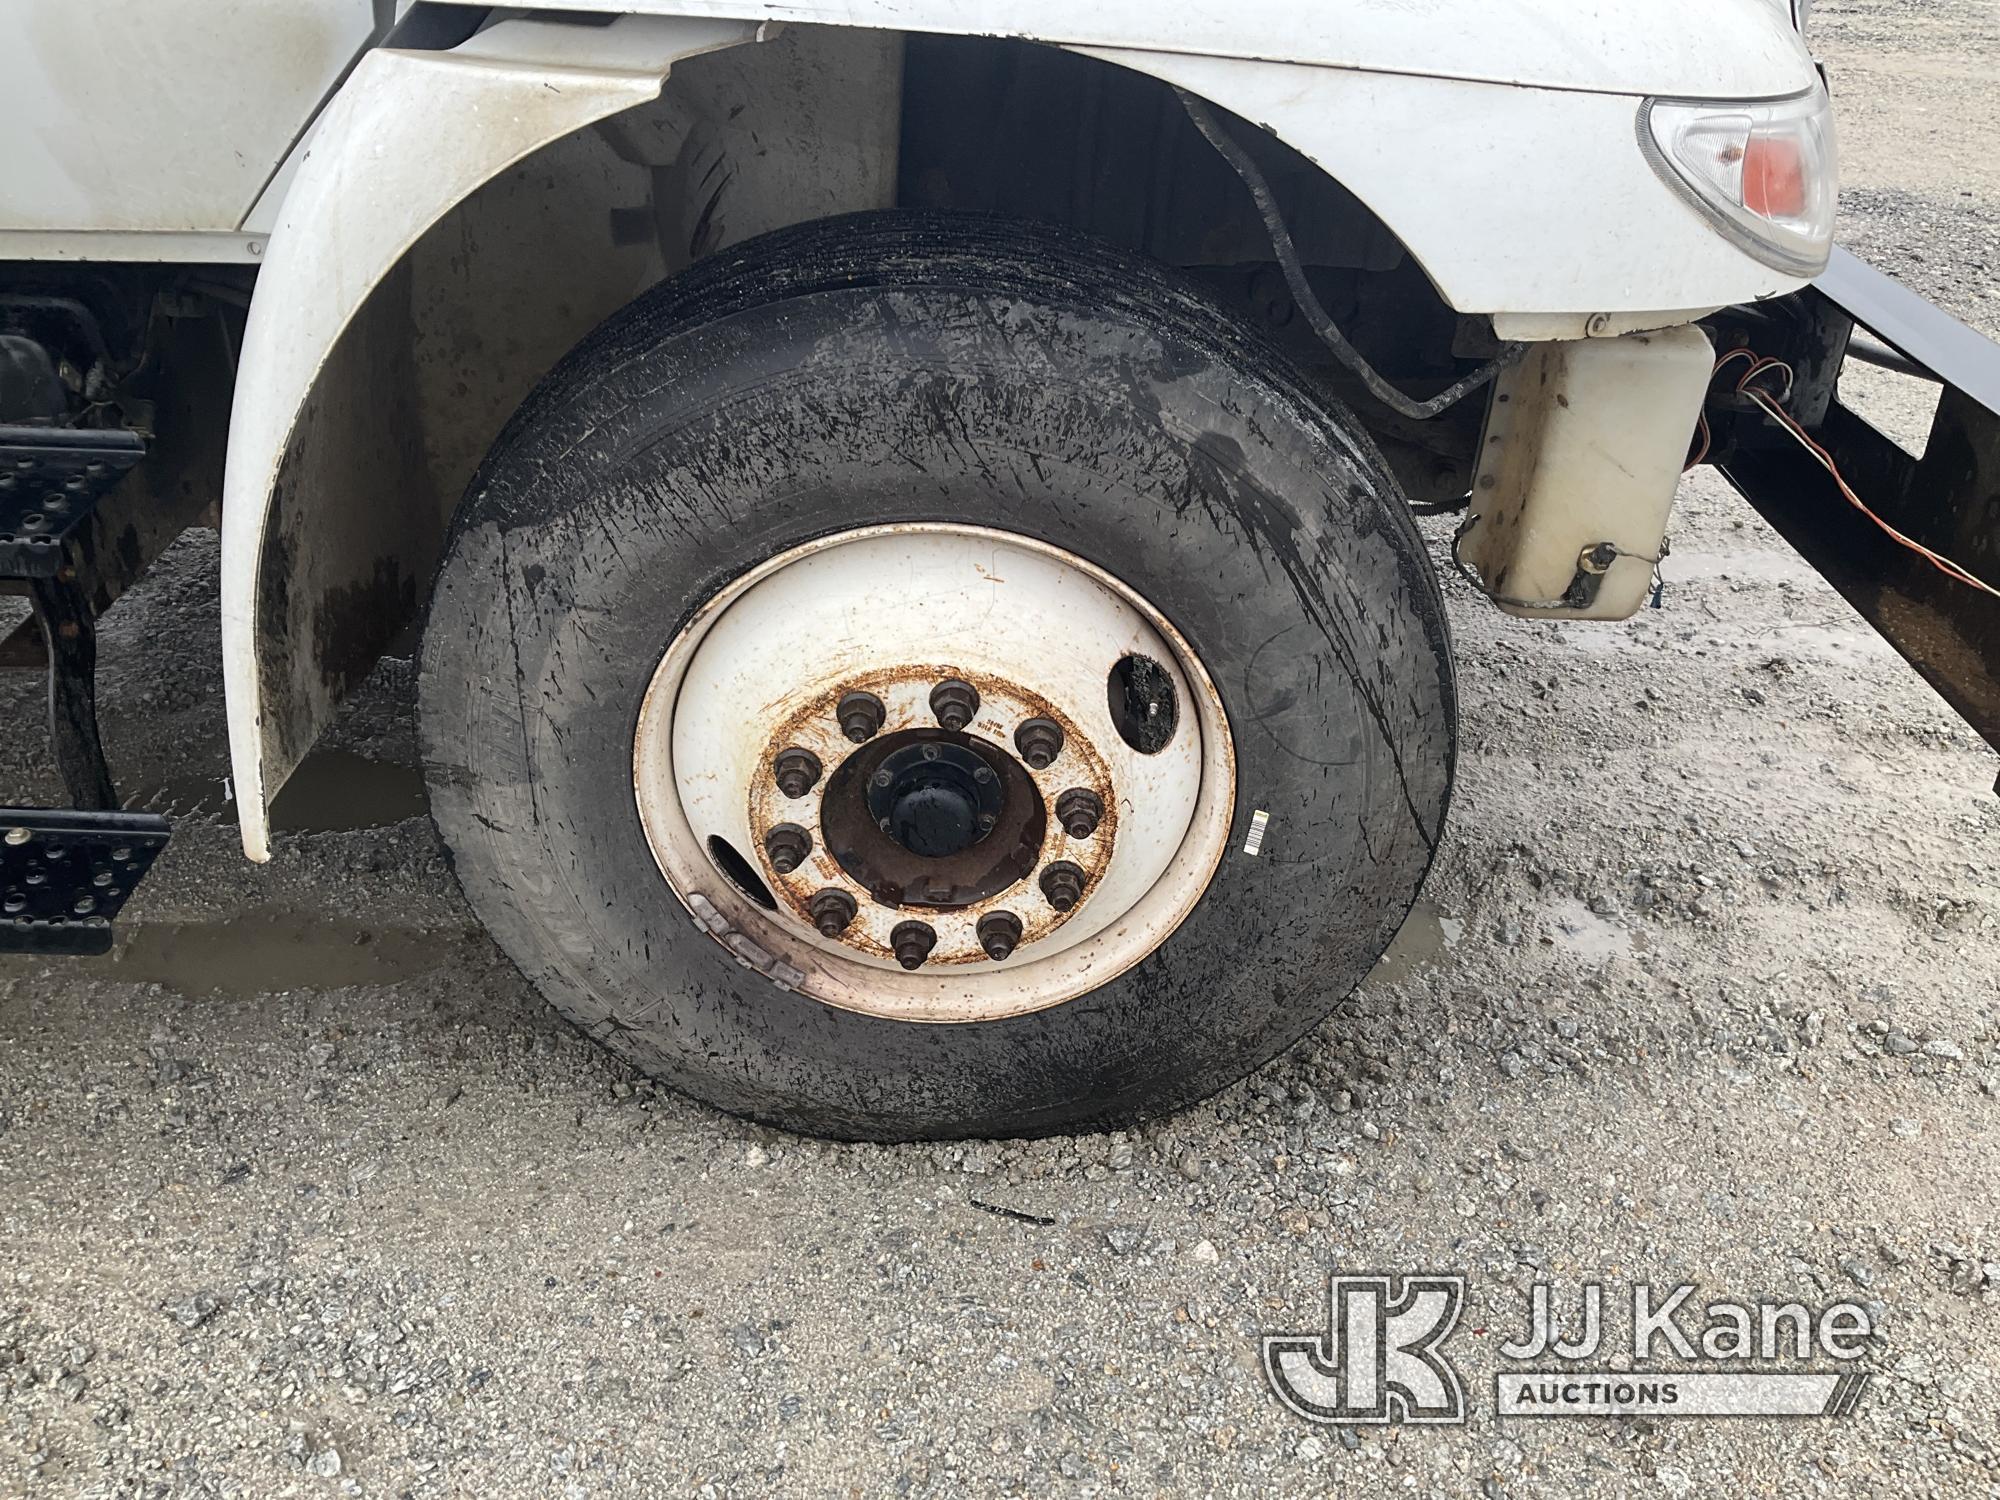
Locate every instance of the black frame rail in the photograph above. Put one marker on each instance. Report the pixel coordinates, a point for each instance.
(1949, 499)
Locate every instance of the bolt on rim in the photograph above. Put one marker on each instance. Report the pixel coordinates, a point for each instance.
(896, 770)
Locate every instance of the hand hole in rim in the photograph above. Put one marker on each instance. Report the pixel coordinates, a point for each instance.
(740, 872)
(1144, 708)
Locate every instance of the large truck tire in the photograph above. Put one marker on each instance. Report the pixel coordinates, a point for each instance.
(931, 676)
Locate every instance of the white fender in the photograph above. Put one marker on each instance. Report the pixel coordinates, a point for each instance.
(1699, 49)
(407, 138)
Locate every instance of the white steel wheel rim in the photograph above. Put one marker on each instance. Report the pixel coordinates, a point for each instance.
(895, 610)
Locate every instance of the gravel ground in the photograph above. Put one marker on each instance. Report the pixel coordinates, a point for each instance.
(304, 1193)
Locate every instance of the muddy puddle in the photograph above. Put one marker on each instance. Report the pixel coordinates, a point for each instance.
(1423, 940)
(330, 791)
(269, 949)
(1428, 939)
(1596, 939)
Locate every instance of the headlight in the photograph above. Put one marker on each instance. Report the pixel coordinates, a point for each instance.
(1764, 172)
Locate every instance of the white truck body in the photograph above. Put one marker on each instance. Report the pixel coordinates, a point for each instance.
(1499, 143)
(1497, 140)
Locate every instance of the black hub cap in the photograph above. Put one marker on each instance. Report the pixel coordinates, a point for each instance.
(934, 798)
(933, 817)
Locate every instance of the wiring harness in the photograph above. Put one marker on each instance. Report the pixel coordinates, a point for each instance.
(1767, 383)
(1316, 315)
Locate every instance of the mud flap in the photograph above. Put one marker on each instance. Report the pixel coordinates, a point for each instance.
(1949, 499)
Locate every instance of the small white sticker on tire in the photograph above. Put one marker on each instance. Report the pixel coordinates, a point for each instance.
(1259, 821)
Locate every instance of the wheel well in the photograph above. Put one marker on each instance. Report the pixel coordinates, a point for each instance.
(752, 138)
(383, 368)
(1037, 132)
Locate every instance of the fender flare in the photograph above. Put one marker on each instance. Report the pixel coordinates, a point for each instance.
(328, 538)
(316, 533)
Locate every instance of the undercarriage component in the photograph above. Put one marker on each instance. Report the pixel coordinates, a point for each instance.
(1948, 500)
(50, 479)
(139, 355)
(64, 874)
(1583, 448)
(29, 384)
(69, 635)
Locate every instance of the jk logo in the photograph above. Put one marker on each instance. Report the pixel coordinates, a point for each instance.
(1378, 1360)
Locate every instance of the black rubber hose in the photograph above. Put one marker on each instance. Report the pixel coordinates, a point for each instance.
(1302, 293)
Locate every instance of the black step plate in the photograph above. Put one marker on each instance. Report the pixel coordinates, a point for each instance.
(50, 478)
(65, 874)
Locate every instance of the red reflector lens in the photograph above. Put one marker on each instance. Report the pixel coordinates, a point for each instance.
(1774, 177)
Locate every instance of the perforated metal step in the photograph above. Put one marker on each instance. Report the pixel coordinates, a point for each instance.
(50, 479)
(65, 874)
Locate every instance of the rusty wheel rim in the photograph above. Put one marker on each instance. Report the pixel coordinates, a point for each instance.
(931, 667)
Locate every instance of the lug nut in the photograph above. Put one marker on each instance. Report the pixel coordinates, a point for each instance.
(999, 933)
(1040, 741)
(797, 771)
(1078, 810)
(831, 910)
(954, 703)
(860, 715)
(912, 942)
(1062, 884)
(788, 845)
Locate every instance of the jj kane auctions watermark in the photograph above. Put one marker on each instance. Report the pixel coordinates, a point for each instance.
(1382, 1357)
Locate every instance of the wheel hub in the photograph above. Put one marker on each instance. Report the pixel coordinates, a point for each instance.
(889, 769)
(936, 798)
(901, 821)
(927, 817)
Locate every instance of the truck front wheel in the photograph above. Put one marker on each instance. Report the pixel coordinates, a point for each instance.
(930, 676)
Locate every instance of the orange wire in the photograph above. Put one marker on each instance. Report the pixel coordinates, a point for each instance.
(1771, 405)
(1701, 452)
